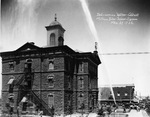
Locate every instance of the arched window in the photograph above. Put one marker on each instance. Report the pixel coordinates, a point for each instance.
(52, 39)
(51, 100)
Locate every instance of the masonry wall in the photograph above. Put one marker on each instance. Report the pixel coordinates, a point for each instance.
(66, 74)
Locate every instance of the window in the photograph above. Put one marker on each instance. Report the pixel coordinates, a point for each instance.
(28, 65)
(52, 39)
(81, 95)
(11, 88)
(81, 98)
(81, 67)
(11, 98)
(51, 64)
(24, 106)
(11, 66)
(126, 94)
(69, 99)
(81, 82)
(50, 79)
(11, 84)
(69, 82)
(51, 100)
(118, 94)
(67, 64)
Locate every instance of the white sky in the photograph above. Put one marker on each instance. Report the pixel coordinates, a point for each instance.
(25, 20)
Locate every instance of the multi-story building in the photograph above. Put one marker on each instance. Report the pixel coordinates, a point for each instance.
(123, 93)
(54, 79)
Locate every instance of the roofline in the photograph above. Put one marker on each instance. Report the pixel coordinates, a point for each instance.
(117, 85)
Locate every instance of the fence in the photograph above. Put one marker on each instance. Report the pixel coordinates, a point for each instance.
(118, 115)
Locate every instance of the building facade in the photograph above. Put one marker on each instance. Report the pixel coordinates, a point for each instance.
(123, 93)
(53, 79)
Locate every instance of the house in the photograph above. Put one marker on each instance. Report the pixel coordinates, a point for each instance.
(119, 93)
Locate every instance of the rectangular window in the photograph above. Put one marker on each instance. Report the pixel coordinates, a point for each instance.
(11, 98)
(27, 67)
(69, 100)
(24, 106)
(51, 100)
(118, 94)
(11, 66)
(126, 94)
(50, 79)
(11, 84)
(10, 88)
(51, 64)
(81, 98)
(81, 67)
(69, 82)
(81, 82)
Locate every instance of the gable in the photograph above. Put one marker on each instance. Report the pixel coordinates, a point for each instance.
(27, 47)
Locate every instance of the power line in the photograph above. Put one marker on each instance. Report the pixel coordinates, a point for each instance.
(127, 53)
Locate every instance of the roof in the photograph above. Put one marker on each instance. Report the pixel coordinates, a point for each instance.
(29, 47)
(117, 85)
(55, 23)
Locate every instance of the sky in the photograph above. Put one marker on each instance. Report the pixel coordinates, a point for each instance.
(119, 26)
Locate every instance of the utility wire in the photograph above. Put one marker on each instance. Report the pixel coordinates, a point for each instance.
(127, 53)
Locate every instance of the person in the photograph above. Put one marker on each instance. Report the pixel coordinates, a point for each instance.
(52, 110)
(18, 110)
(41, 113)
(100, 111)
(37, 108)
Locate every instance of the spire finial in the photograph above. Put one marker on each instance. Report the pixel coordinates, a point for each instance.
(95, 46)
(55, 17)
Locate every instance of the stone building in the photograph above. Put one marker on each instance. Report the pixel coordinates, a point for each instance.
(54, 79)
(123, 93)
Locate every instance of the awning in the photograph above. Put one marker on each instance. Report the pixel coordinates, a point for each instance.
(10, 81)
(24, 99)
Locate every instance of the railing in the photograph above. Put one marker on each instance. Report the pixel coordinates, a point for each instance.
(20, 81)
(118, 115)
(46, 108)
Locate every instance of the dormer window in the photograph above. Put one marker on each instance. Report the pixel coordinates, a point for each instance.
(11, 66)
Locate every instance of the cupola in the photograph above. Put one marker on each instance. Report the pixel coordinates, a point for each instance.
(55, 33)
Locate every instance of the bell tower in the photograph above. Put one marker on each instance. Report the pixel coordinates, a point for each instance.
(55, 34)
